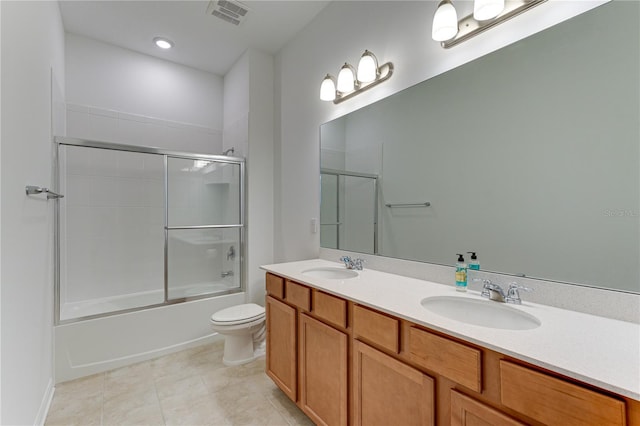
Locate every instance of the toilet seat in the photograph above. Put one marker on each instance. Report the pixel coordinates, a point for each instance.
(240, 314)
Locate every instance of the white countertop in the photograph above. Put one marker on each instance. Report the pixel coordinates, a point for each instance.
(599, 351)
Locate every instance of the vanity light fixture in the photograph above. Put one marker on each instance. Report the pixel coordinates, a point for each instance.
(346, 79)
(328, 88)
(487, 9)
(163, 43)
(445, 22)
(351, 82)
(486, 14)
(367, 67)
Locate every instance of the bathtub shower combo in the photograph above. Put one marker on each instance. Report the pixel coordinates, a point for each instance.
(148, 240)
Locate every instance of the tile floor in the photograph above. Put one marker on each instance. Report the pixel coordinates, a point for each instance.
(191, 387)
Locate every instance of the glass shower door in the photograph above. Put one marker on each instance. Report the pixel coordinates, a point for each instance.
(111, 233)
(204, 227)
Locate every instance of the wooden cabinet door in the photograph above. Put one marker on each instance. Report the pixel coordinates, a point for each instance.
(466, 411)
(551, 400)
(389, 392)
(281, 346)
(323, 372)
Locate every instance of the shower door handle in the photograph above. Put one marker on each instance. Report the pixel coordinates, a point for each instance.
(32, 190)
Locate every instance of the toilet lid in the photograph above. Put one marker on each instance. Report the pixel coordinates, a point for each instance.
(238, 314)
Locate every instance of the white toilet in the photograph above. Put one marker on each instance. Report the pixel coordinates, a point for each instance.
(243, 328)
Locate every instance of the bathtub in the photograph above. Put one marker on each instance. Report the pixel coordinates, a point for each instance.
(86, 308)
(96, 345)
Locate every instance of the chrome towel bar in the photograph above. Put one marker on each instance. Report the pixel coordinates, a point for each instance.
(33, 190)
(425, 204)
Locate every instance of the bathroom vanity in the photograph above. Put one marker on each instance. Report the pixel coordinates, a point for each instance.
(364, 349)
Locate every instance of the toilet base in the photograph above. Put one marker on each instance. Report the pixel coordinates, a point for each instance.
(240, 350)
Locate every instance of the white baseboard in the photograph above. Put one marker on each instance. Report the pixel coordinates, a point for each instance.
(45, 404)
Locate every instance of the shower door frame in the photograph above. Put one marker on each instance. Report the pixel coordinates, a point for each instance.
(166, 154)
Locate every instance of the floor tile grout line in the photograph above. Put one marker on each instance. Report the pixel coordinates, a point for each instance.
(155, 388)
(279, 412)
(104, 384)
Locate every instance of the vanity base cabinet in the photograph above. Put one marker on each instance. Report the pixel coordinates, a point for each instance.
(389, 392)
(323, 363)
(281, 353)
(347, 364)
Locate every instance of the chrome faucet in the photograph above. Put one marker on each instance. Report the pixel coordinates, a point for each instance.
(491, 290)
(494, 292)
(352, 263)
(513, 293)
(226, 274)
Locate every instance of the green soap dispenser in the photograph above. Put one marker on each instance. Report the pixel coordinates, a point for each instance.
(474, 263)
(461, 274)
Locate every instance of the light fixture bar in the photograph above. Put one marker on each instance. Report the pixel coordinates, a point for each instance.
(385, 71)
(468, 27)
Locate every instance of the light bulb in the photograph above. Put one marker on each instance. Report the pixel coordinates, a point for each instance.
(367, 67)
(487, 9)
(445, 22)
(328, 89)
(163, 43)
(346, 79)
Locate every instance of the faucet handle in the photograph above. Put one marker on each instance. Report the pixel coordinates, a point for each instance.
(346, 260)
(357, 264)
(513, 293)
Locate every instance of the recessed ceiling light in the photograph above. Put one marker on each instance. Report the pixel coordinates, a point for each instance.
(163, 43)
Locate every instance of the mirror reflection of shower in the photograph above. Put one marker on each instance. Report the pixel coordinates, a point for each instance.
(349, 211)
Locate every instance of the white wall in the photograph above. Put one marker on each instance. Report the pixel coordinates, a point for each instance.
(0, 217)
(118, 95)
(260, 172)
(32, 45)
(248, 124)
(107, 76)
(394, 31)
(236, 107)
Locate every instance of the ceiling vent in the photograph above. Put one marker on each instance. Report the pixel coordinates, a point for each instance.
(231, 11)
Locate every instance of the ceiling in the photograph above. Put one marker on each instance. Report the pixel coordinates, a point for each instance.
(201, 40)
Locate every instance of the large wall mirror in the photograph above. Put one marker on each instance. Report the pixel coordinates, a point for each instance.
(528, 156)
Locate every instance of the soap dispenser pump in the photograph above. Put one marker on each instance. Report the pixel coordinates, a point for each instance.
(461, 274)
(474, 263)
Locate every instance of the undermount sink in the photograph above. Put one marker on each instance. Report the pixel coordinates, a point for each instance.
(484, 313)
(330, 273)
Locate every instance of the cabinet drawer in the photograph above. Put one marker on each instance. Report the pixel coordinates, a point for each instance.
(554, 401)
(298, 295)
(275, 286)
(380, 329)
(466, 412)
(453, 360)
(330, 308)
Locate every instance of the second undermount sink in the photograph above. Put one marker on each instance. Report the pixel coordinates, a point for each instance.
(330, 273)
(484, 313)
